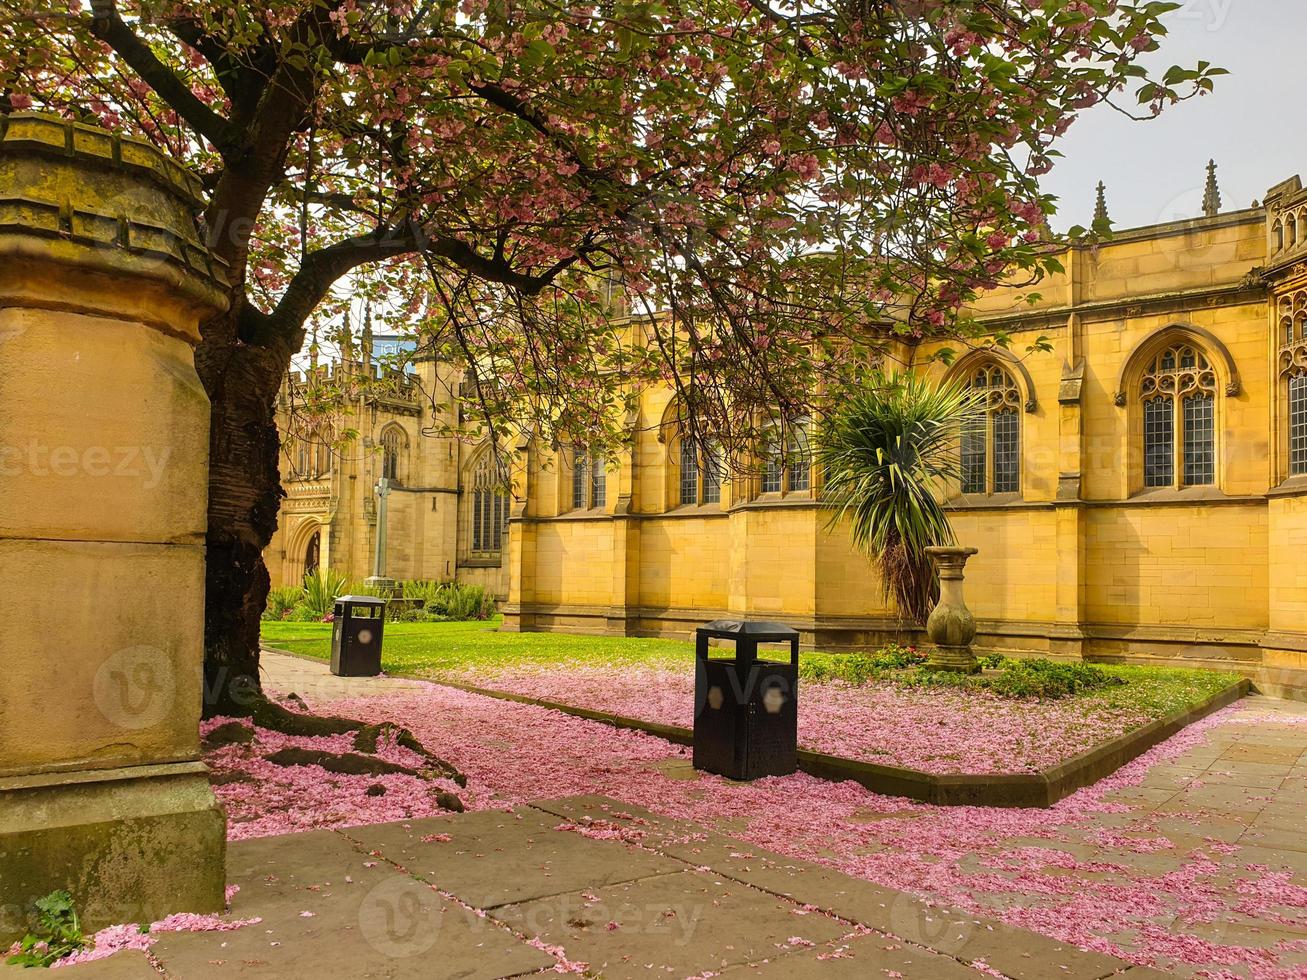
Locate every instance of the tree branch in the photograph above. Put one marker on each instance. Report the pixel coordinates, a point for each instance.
(113, 31)
(322, 268)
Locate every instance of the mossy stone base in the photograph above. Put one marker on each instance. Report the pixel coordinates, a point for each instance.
(130, 845)
(958, 660)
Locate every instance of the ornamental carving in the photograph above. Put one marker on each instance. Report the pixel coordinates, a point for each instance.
(994, 388)
(1291, 327)
(1178, 371)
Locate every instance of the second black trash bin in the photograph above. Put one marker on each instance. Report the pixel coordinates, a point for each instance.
(746, 718)
(356, 636)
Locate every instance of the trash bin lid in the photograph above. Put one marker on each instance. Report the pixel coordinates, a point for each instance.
(361, 600)
(734, 629)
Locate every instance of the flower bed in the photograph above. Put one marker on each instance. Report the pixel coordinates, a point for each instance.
(931, 730)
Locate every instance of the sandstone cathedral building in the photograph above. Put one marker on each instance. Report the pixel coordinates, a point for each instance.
(1137, 492)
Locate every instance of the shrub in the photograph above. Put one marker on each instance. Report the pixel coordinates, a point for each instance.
(321, 591)
(1048, 679)
(816, 669)
(301, 613)
(1020, 679)
(896, 657)
(462, 602)
(282, 600)
(859, 668)
(426, 589)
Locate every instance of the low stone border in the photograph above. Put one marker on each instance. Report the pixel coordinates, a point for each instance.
(1033, 789)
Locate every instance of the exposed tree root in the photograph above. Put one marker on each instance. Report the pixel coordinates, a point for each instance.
(345, 763)
(266, 713)
(231, 733)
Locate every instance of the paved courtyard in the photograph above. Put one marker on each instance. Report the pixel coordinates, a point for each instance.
(511, 893)
(1193, 860)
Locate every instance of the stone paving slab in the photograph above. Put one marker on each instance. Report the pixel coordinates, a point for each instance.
(955, 935)
(496, 857)
(129, 965)
(678, 925)
(364, 922)
(860, 958)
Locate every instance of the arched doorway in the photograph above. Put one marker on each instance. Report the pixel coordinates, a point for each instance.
(313, 554)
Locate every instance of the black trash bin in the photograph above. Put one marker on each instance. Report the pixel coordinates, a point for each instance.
(746, 717)
(356, 637)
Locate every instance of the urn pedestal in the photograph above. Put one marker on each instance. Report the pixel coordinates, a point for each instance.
(951, 626)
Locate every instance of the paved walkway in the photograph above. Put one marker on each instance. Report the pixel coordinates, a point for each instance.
(494, 894)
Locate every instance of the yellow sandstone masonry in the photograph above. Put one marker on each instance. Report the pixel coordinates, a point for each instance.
(103, 499)
(1083, 559)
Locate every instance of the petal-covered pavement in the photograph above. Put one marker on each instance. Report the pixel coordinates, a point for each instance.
(1191, 859)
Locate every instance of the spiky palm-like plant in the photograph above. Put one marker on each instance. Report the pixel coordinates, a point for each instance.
(884, 453)
(321, 590)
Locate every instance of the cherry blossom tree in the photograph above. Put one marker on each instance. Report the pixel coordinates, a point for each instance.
(781, 187)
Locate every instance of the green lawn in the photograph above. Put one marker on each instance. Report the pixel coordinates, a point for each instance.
(430, 649)
(437, 649)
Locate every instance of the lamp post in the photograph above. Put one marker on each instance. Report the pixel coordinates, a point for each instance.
(378, 579)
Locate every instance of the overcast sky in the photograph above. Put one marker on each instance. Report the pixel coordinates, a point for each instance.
(1253, 125)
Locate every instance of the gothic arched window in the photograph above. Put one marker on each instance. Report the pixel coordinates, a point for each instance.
(1178, 391)
(714, 467)
(990, 447)
(322, 456)
(1293, 377)
(689, 482)
(394, 453)
(598, 482)
(589, 481)
(490, 507)
(580, 474)
(787, 459)
(700, 472)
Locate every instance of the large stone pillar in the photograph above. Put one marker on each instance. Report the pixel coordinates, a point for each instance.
(104, 435)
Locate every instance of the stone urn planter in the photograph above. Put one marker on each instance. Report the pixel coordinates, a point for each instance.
(951, 626)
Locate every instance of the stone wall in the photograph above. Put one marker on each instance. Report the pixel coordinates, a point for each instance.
(1082, 561)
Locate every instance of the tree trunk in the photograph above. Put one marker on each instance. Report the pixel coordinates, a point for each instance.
(242, 381)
